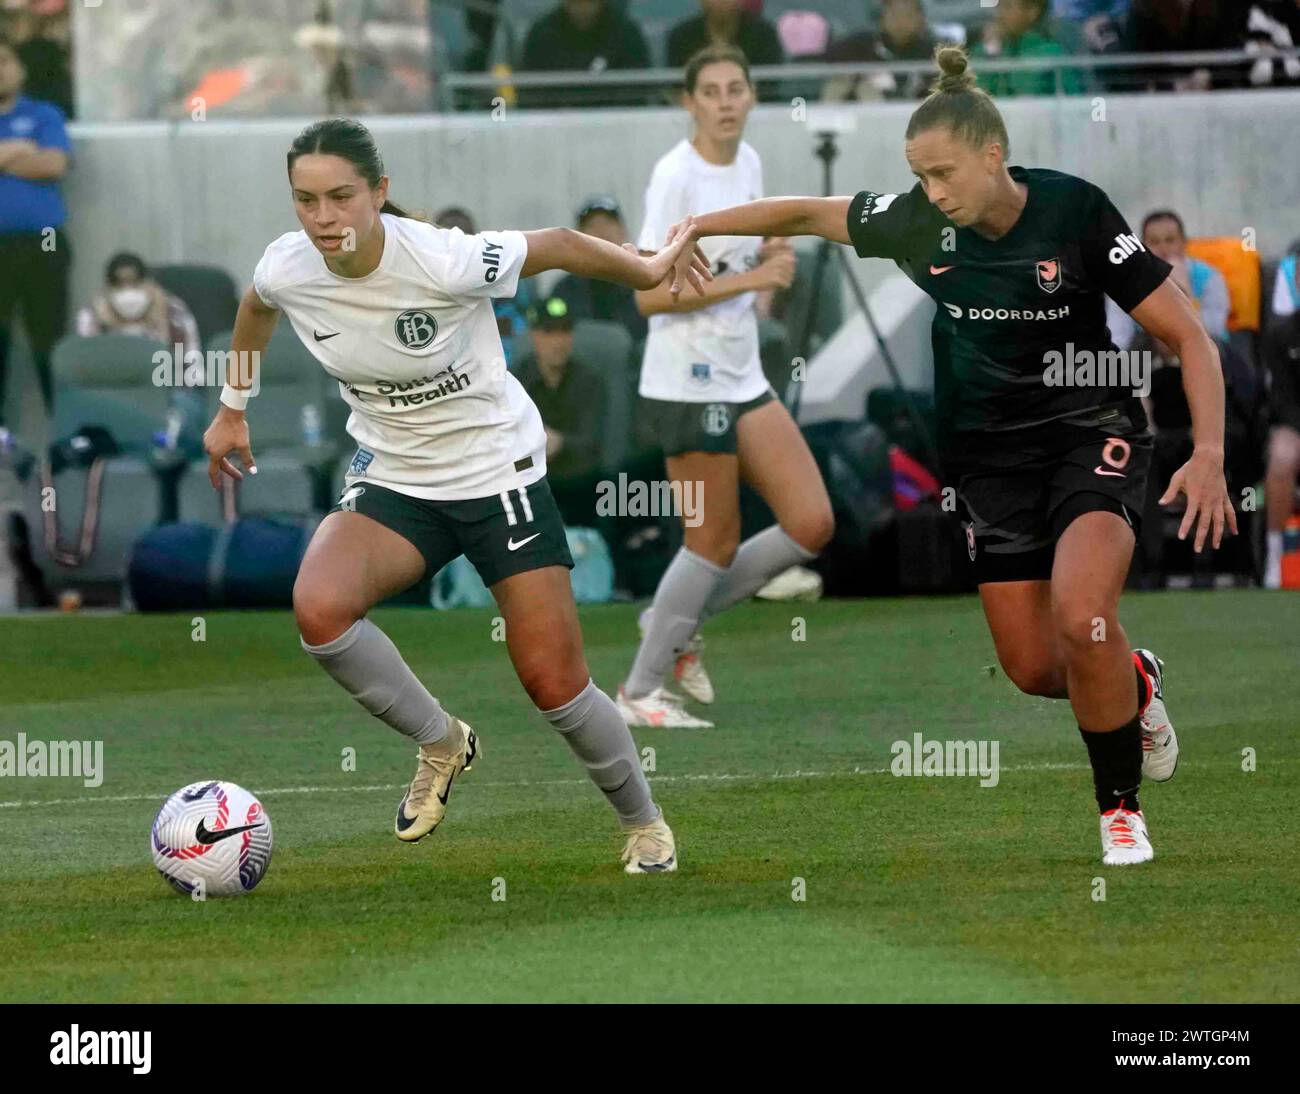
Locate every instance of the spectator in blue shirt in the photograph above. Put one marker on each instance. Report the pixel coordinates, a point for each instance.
(34, 155)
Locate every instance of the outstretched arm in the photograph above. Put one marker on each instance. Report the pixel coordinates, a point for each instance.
(587, 256)
(1166, 315)
(825, 217)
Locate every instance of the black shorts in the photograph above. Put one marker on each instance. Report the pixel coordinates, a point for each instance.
(699, 427)
(502, 535)
(1021, 490)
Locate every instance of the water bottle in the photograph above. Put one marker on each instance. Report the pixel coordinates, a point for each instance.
(311, 435)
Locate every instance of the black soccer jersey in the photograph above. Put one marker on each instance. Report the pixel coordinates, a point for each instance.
(1005, 304)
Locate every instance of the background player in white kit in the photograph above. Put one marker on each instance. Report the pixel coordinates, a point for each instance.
(450, 460)
(712, 408)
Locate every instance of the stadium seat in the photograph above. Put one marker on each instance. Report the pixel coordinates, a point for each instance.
(108, 380)
(124, 506)
(208, 291)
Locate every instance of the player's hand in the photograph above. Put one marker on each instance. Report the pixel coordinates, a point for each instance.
(228, 433)
(1209, 505)
(779, 268)
(682, 258)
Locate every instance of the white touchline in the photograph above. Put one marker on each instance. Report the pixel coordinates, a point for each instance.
(704, 777)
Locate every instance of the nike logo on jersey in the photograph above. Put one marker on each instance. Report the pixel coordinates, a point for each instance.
(203, 836)
(1112, 474)
(323, 337)
(935, 271)
(513, 546)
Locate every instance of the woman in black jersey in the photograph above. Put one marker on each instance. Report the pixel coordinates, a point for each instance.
(1039, 417)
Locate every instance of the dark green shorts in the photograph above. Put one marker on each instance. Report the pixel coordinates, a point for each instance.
(501, 535)
(699, 427)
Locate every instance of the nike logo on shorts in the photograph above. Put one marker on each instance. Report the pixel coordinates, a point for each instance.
(1113, 474)
(935, 271)
(513, 546)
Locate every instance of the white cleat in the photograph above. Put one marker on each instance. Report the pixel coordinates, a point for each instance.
(688, 669)
(661, 709)
(650, 849)
(689, 672)
(425, 802)
(796, 583)
(1159, 741)
(1124, 839)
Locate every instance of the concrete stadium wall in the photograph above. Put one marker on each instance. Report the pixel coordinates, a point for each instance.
(216, 191)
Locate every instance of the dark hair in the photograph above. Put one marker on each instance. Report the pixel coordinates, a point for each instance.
(1164, 214)
(122, 260)
(956, 102)
(712, 55)
(350, 140)
(454, 216)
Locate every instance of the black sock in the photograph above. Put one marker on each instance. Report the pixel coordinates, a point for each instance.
(1146, 687)
(1116, 759)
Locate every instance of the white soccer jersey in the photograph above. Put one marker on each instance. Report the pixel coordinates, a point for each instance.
(709, 355)
(415, 348)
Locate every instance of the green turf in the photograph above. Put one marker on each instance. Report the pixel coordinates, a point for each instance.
(916, 889)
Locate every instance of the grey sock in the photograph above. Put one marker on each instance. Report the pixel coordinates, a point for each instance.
(594, 729)
(759, 559)
(364, 660)
(683, 591)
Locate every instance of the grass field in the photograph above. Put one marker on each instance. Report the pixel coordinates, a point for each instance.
(917, 889)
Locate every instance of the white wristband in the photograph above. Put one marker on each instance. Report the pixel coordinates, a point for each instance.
(234, 397)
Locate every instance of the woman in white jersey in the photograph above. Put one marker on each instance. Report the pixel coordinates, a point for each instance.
(451, 459)
(713, 410)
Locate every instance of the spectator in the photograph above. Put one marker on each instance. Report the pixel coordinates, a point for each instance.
(1100, 23)
(904, 35)
(726, 22)
(1163, 235)
(41, 39)
(1286, 287)
(588, 298)
(1169, 26)
(1021, 29)
(512, 312)
(569, 393)
(34, 155)
(1273, 25)
(132, 302)
(583, 36)
(1282, 354)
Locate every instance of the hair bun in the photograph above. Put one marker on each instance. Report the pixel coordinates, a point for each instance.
(954, 68)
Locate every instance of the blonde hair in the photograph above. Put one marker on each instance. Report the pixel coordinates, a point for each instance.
(957, 102)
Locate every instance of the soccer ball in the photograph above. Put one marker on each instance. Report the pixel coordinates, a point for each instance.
(211, 839)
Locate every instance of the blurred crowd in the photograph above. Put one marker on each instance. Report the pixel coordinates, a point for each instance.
(159, 58)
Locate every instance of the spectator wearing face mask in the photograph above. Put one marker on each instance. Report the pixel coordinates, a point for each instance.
(131, 302)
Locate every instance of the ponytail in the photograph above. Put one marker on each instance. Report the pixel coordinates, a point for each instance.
(959, 104)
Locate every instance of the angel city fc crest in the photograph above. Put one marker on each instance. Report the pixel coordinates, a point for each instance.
(415, 329)
(1049, 274)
